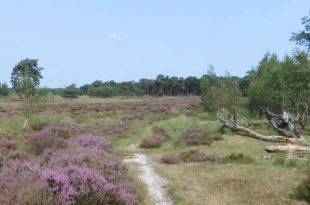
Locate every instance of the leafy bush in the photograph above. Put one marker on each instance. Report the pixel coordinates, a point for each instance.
(4, 90)
(219, 92)
(238, 159)
(37, 124)
(71, 92)
(95, 142)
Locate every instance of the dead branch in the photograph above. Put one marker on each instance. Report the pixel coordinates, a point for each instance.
(227, 123)
(289, 148)
(283, 124)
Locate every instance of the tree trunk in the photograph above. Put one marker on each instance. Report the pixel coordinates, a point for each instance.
(250, 133)
(288, 148)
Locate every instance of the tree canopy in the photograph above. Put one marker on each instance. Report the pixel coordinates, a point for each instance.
(303, 37)
(26, 76)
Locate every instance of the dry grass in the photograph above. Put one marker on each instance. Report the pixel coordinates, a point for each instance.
(203, 183)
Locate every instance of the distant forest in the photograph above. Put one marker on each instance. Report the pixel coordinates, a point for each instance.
(161, 86)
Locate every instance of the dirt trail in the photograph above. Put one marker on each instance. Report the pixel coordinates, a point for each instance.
(155, 183)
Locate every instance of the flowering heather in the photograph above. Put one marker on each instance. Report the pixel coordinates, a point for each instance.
(45, 139)
(95, 142)
(108, 165)
(53, 136)
(83, 185)
(14, 176)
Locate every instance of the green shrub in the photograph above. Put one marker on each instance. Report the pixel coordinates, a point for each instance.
(37, 124)
(238, 159)
(303, 189)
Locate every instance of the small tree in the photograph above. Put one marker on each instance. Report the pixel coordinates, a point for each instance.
(71, 92)
(25, 79)
(219, 92)
(4, 90)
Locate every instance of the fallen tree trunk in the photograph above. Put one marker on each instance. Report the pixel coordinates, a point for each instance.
(283, 123)
(288, 148)
(250, 133)
(293, 150)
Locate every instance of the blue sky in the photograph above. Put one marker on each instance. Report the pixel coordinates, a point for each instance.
(79, 41)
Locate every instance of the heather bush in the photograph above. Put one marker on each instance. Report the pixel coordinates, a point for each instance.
(214, 158)
(81, 156)
(217, 137)
(46, 139)
(194, 137)
(8, 144)
(171, 159)
(8, 151)
(154, 142)
(237, 159)
(194, 156)
(16, 182)
(65, 130)
(110, 167)
(52, 137)
(95, 142)
(83, 185)
(158, 137)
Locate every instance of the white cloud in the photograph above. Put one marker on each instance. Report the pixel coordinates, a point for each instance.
(115, 36)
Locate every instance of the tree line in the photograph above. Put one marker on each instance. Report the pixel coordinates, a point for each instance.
(277, 84)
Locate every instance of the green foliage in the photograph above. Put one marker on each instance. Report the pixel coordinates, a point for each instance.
(103, 91)
(4, 89)
(303, 37)
(303, 190)
(26, 76)
(37, 124)
(25, 79)
(71, 92)
(219, 92)
(161, 86)
(238, 159)
(281, 84)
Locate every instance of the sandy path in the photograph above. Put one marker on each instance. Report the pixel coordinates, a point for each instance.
(155, 183)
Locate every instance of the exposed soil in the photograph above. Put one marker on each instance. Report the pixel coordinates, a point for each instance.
(156, 184)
